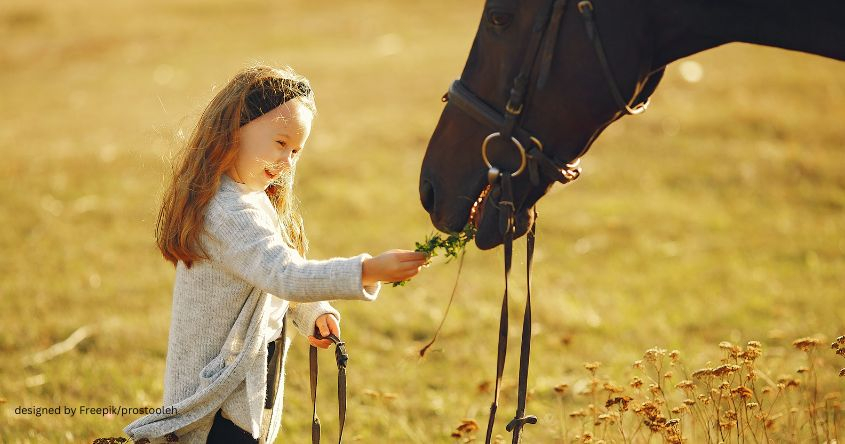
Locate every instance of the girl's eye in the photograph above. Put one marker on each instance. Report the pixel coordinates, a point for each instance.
(281, 142)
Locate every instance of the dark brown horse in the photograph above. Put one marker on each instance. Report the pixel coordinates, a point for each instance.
(584, 64)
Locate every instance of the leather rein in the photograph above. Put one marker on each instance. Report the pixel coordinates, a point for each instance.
(540, 52)
(341, 356)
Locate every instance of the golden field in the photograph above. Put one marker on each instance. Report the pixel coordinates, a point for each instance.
(715, 218)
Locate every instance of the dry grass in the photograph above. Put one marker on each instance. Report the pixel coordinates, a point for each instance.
(716, 216)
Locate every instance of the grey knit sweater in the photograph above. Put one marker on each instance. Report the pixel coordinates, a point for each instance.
(217, 347)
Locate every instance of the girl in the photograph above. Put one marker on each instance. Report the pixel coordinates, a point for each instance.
(229, 225)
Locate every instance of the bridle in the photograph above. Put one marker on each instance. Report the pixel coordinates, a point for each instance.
(506, 125)
(543, 39)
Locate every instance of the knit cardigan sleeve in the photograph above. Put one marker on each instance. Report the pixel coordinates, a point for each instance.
(245, 244)
(304, 316)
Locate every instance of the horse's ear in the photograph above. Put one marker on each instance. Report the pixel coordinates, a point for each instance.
(650, 85)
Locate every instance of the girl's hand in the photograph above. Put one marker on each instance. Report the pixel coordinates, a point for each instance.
(392, 266)
(325, 324)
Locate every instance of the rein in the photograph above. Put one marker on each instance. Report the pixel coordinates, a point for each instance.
(341, 356)
(540, 52)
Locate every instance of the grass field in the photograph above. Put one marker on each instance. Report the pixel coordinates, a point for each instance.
(716, 216)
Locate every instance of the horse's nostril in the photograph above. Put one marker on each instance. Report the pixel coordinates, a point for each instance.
(427, 195)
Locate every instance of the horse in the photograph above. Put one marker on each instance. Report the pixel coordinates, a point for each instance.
(548, 76)
(543, 79)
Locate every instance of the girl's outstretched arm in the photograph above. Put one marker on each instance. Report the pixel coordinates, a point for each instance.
(244, 243)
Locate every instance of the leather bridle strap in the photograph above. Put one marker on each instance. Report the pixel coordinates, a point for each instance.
(538, 162)
(548, 50)
(506, 218)
(506, 226)
(516, 100)
(521, 418)
(543, 38)
(585, 7)
(469, 103)
(341, 356)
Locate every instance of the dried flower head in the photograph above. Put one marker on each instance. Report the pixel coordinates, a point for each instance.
(685, 385)
(702, 373)
(742, 392)
(612, 388)
(561, 389)
(485, 386)
(733, 350)
(652, 354)
(622, 401)
(592, 366)
(725, 370)
(467, 426)
(806, 344)
(753, 350)
(654, 389)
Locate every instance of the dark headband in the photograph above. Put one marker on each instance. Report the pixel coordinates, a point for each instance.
(269, 94)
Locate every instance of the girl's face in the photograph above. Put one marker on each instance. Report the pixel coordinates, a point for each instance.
(269, 145)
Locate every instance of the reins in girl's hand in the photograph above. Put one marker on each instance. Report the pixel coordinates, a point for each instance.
(342, 357)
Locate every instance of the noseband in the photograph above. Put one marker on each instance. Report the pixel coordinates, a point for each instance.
(540, 51)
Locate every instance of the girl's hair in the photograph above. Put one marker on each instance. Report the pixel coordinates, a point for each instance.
(212, 149)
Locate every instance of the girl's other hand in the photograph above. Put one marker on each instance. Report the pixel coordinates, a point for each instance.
(392, 266)
(325, 324)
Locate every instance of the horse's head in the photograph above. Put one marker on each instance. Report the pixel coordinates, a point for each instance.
(565, 96)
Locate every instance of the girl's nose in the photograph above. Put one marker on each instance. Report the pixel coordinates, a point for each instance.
(287, 158)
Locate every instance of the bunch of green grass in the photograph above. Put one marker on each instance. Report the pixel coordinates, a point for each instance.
(452, 245)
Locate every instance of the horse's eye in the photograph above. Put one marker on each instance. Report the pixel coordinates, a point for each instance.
(500, 18)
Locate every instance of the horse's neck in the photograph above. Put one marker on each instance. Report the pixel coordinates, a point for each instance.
(685, 27)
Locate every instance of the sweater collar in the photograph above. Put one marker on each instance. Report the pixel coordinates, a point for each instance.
(229, 184)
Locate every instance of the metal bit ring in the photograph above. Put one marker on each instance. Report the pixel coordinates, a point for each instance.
(515, 142)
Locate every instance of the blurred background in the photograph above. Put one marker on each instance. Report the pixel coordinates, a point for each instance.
(716, 216)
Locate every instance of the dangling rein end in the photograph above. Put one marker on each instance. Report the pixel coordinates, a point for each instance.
(528, 419)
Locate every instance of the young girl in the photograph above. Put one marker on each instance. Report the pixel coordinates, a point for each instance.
(229, 225)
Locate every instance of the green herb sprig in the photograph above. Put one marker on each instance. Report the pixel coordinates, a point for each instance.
(452, 245)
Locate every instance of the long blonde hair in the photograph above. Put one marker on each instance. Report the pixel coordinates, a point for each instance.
(211, 150)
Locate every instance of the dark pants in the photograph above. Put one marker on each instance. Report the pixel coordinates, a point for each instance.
(224, 431)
